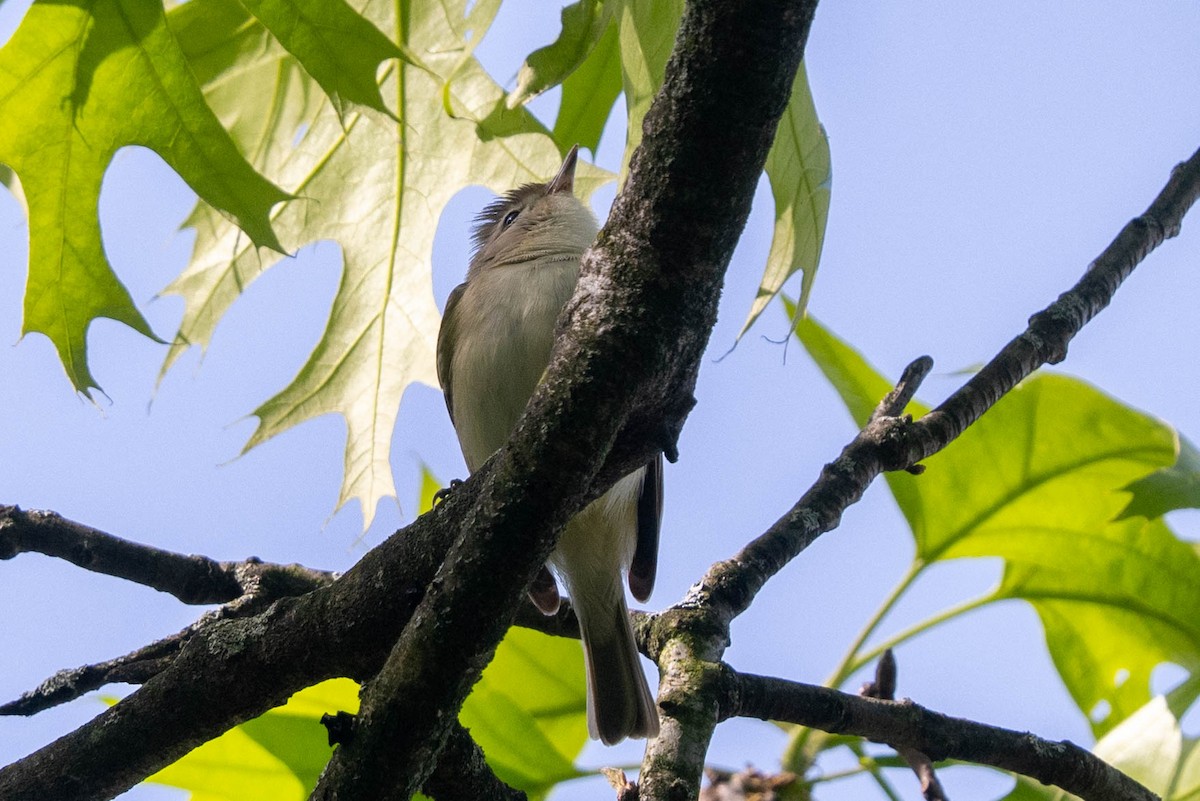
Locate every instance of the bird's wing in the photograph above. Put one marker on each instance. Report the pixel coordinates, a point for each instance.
(445, 349)
(649, 520)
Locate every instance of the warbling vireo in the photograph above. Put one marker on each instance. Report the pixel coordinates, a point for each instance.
(493, 347)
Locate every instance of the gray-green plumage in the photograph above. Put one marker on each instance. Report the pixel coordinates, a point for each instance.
(493, 347)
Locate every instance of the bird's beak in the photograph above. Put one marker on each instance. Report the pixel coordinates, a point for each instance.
(565, 180)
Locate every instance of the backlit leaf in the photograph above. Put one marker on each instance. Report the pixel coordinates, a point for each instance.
(1038, 481)
(78, 81)
(588, 94)
(1174, 487)
(376, 188)
(646, 33)
(278, 755)
(801, 174)
(582, 23)
(527, 713)
(336, 46)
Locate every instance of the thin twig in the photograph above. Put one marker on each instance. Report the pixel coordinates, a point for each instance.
(892, 443)
(192, 579)
(246, 588)
(264, 584)
(884, 688)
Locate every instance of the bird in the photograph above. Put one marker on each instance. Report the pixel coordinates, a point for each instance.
(493, 348)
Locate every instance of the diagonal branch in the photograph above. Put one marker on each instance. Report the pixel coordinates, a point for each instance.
(262, 585)
(619, 388)
(891, 443)
(136, 667)
(689, 639)
(247, 588)
(463, 772)
(235, 670)
(620, 380)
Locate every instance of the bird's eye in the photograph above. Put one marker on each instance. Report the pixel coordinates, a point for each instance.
(510, 218)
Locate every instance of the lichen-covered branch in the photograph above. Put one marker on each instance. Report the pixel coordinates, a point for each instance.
(234, 670)
(262, 584)
(462, 772)
(620, 380)
(245, 588)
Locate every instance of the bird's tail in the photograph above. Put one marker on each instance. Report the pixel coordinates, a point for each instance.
(619, 703)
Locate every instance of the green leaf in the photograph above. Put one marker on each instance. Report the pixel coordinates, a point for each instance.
(234, 767)
(588, 94)
(1027, 789)
(1049, 460)
(1038, 481)
(527, 713)
(800, 173)
(335, 44)
(259, 91)
(1115, 602)
(1173, 487)
(529, 710)
(1054, 451)
(1149, 747)
(582, 24)
(266, 100)
(430, 486)
(376, 188)
(278, 755)
(859, 385)
(646, 33)
(78, 82)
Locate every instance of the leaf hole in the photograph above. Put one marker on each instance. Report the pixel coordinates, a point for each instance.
(1166, 676)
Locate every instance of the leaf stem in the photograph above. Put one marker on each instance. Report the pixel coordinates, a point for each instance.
(872, 767)
(920, 628)
(850, 662)
(794, 758)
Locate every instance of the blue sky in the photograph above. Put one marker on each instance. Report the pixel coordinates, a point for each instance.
(983, 155)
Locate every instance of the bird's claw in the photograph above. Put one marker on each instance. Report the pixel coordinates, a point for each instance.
(444, 492)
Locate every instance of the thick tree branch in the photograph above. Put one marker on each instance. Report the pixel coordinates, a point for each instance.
(250, 587)
(688, 640)
(627, 363)
(462, 772)
(620, 381)
(235, 670)
(905, 725)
